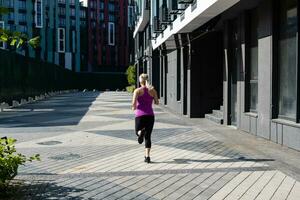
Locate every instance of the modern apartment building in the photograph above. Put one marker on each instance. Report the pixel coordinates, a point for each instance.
(108, 35)
(56, 22)
(146, 58)
(235, 58)
(84, 50)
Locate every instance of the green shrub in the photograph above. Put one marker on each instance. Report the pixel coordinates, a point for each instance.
(130, 88)
(131, 74)
(10, 161)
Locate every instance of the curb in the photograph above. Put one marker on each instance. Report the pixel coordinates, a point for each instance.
(16, 103)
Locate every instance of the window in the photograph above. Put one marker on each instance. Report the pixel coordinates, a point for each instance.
(22, 4)
(93, 15)
(101, 5)
(82, 14)
(61, 1)
(38, 13)
(61, 40)
(22, 17)
(23, 29)
(72, 2)
(101, 16)
(111, 18)
(287, 60)
(111, 7)
(73, 41)
(253, 62)
(92, 4)
(11, 16)
(11, 27)
(73, 22)
(61, 11)
(111, 33)
(62, 22)
(82, 23)
(10, 4)
(130, 16)
(2, 44)
(72, 11)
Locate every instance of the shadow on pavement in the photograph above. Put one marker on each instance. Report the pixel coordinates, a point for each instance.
(189, 161)
(62, 110)
(45, 190)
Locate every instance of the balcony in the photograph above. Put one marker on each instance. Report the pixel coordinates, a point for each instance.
(143, 18)
(195, 14)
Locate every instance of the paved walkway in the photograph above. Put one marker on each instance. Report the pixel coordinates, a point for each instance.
(89, 151)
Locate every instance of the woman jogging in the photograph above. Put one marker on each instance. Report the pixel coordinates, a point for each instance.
(143, 98)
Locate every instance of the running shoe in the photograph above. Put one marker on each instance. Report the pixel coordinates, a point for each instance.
(141, 136)
(147, 159)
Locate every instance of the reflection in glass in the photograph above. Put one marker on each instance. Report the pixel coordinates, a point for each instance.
(288, 59)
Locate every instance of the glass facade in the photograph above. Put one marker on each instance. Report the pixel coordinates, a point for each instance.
(253, 65)
(288, 50)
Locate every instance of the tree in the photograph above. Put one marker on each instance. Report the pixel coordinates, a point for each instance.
(131, 73)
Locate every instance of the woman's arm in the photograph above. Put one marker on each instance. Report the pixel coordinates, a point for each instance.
(156, 101)
(134, 98)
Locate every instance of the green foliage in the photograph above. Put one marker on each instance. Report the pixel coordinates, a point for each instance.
(131, 74)
(18, 40)
(130, 88)
(10, 161)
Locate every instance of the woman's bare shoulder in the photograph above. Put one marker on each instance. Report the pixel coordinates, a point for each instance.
(138, 91)
(152, 89)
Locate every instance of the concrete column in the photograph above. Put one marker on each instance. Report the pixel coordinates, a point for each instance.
(182, 97)
(265, 51)
(226, 75)
(225, 89)
(189, 93)
(264, 86)
(189, 83)
(161, 75)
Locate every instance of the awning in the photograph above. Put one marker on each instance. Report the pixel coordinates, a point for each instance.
(193, 17)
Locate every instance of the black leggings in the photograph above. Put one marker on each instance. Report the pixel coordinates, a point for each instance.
(145, 122)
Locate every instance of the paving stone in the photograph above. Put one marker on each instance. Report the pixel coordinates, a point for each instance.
(89, 151)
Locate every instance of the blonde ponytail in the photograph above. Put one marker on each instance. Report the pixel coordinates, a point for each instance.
(148, 85)
(144, 80)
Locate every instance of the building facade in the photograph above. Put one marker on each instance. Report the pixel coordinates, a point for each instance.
(235, 58)
(84, 50)
(56, 22)
(108, 35)
(146, 58)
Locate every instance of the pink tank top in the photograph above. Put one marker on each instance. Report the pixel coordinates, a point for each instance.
(144, 104)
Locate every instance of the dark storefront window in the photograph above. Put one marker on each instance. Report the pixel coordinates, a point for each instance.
(287, 59)
(253, 61)
(178, 75)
